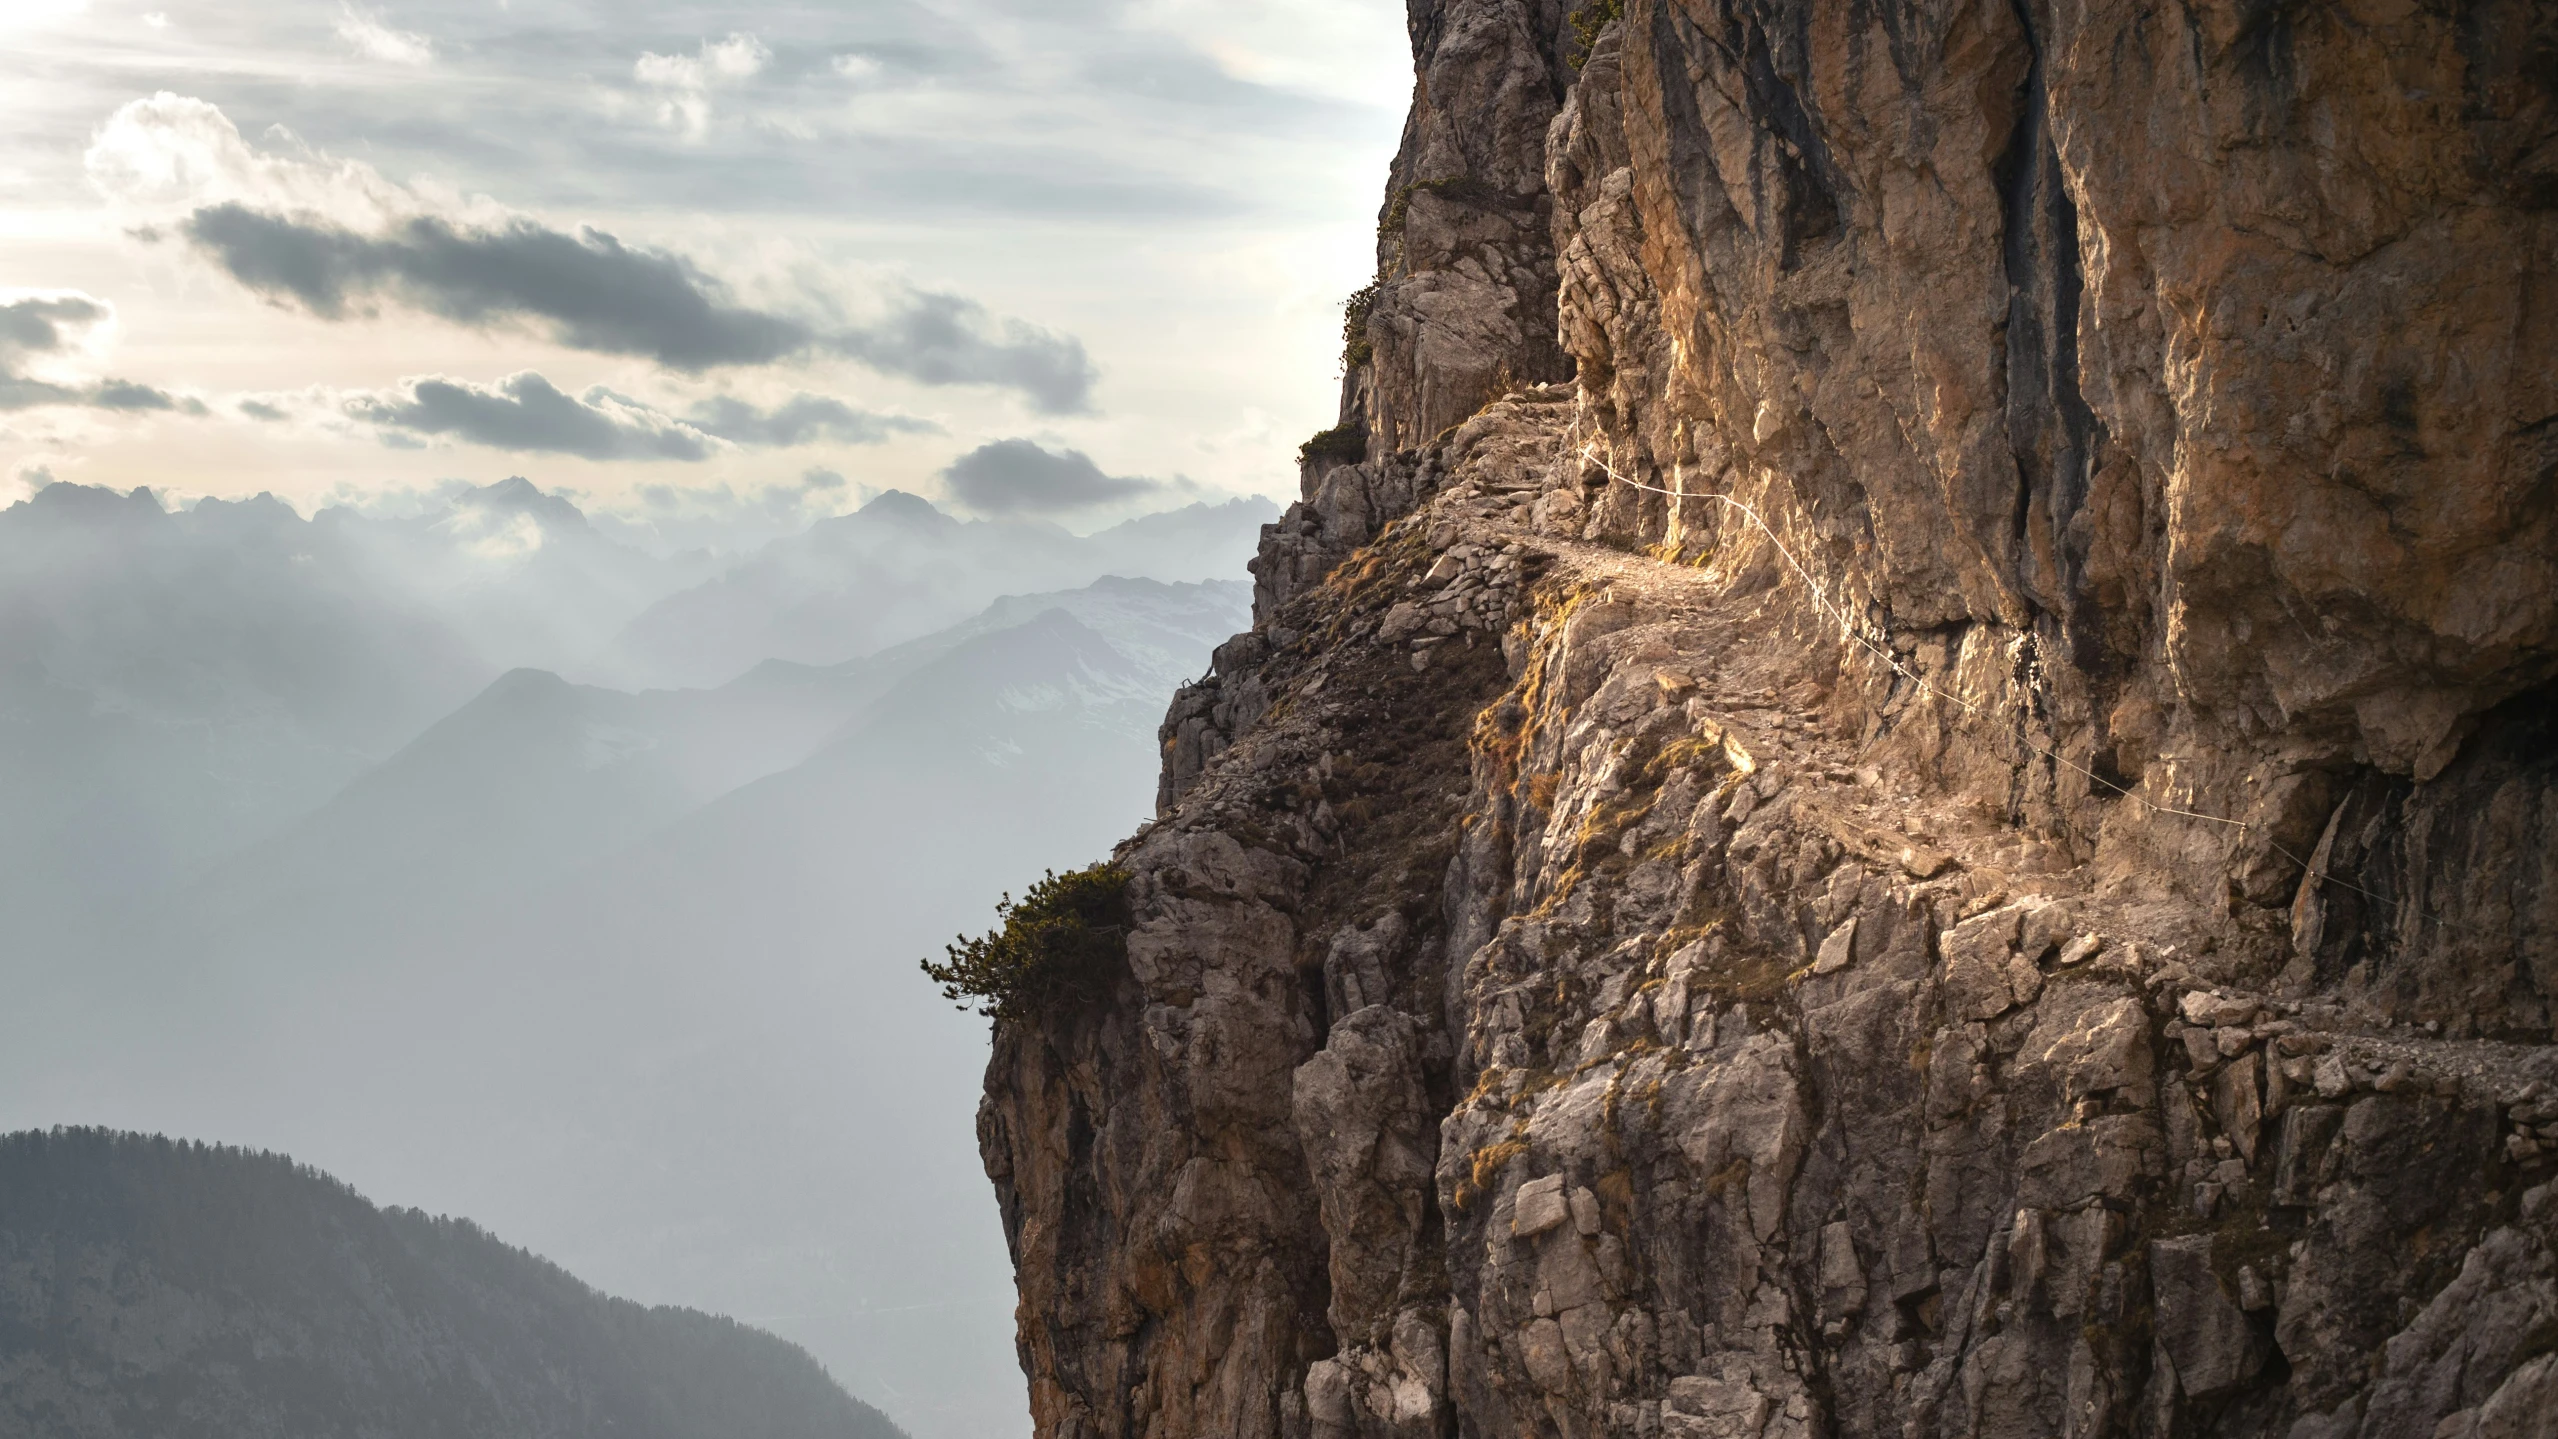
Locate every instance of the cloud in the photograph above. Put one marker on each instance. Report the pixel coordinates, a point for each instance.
(1018, 477)
(162, 156)
(687, 80)
(528, 413)
(592, 292)
(799, 420)
(45, 328)
(25, 478)
(595, 292)
(664, 518)
(739, 57)
(941, 339)
(42, 325)
(818, 492)
(126, 395)
(336, 239)
(376, 40)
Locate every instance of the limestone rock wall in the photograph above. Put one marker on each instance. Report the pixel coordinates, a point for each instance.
(1465, 297)
(1953, 836)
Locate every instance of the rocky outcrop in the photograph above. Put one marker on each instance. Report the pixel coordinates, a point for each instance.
(1953, 838)
(1463, 306)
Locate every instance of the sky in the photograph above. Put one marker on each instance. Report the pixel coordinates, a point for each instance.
(1065, 259)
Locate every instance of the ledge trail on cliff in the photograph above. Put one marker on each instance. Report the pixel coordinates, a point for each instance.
(1912, 787)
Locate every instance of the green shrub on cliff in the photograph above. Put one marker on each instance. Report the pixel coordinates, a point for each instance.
(1355, 348)
(1054, 947)
(1342, 444)
(1586, 24)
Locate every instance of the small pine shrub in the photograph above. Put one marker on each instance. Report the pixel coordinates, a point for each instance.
(1356, 349)
(1586, 24)
(1051, 950)
(1342, 444)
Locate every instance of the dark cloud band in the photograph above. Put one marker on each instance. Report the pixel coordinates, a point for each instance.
(39, 326)
(950, 340)
(595, 293)
(1017, 477)
(526, 413)
(43, 326)
(18, 393)
(800, 420)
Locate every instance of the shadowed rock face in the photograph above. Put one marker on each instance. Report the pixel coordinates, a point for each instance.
(1464, 305)
(1953, 837)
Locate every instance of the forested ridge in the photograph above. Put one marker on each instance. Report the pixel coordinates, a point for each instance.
(158, 1287)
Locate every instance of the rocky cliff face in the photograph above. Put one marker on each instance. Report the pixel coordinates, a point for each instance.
(1911, 792)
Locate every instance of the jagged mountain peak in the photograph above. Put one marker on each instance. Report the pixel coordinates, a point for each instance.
(64, 502)
(898, 506)
(517, 495)
(262, 506)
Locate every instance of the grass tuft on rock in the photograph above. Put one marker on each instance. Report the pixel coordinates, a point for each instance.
(1053, 949)
(1342, 444)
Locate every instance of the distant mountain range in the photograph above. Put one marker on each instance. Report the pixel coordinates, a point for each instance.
(629, 972)
(173, 684)
(178, 685)
(535, 777)
(519, 576)
(897, 569)
(152, 1289)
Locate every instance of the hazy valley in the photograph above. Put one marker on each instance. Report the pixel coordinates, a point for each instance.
(322, 846)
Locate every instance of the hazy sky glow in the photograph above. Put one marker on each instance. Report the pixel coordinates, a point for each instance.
(676, 257)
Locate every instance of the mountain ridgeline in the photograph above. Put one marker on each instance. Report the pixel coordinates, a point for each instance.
(152, 1289)
(178, 684)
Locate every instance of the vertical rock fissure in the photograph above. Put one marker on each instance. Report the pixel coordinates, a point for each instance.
(1807, 208)
(1705, 207)
(2052, 433)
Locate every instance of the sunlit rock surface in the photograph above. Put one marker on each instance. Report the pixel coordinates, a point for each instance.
(1954, 837)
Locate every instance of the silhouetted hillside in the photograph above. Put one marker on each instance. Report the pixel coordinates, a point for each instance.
(158, 1288)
